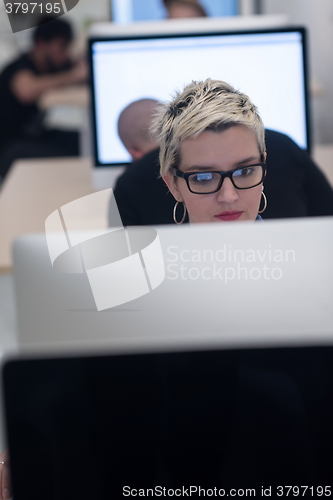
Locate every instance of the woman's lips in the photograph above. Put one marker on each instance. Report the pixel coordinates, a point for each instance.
(232, 215)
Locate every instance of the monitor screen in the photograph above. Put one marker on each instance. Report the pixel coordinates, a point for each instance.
(215, 423)
(269, 66)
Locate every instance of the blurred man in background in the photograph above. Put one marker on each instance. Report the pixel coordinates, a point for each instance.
(47, 66)
(133, 127)
(178, 9)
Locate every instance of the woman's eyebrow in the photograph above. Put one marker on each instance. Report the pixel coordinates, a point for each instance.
(197, 168)
(247, 160)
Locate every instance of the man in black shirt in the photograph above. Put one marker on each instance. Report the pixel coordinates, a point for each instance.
(23, 82)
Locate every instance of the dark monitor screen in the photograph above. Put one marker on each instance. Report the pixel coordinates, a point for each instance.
(268, 65)
(117, 425)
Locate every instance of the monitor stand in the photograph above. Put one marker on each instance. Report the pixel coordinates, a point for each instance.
(105, 177)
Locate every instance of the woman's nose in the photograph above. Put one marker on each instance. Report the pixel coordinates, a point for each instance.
(227, 192)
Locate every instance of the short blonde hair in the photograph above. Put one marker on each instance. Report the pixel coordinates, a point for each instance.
(208, 105)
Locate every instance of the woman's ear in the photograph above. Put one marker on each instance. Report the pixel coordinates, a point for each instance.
(264, 156)
(169, 180)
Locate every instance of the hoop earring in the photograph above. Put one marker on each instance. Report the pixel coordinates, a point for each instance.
(265, 203)
(174, 213)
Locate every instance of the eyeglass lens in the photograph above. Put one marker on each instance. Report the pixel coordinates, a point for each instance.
(205, 182)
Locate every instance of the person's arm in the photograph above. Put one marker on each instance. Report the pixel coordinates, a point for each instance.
(28, 87)
(5, 487)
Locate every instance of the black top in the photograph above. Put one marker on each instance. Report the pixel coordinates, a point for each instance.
(15, 117)
(18, 119)
(294, 187)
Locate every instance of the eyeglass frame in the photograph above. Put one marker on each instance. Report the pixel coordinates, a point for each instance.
(178, 173)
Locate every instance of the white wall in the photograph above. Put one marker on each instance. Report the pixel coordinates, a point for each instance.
(317, 15)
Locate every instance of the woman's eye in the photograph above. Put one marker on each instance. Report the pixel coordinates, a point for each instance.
(202, 178)
(244, 172)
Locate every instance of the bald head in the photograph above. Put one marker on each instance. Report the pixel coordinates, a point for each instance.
(133, 127)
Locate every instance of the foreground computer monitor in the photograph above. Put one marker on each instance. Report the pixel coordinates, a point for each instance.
(268, 65)
(192, 423)
(261, 283)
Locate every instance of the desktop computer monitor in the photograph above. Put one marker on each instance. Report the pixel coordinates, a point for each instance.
(227, 284)
(237, 423)
(268, 65)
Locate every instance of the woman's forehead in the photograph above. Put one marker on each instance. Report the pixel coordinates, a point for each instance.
(212, 149)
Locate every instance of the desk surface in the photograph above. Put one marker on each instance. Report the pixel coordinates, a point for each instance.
(35, 188)
(73, 95)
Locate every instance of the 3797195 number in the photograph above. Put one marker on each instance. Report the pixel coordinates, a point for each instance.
(295, 491)
(32, 7)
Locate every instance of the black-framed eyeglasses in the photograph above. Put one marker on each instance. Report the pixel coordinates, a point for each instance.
(208, 182)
